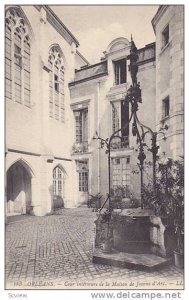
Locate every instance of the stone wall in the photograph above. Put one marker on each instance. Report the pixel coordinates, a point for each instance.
(169, 77)
(32, 136)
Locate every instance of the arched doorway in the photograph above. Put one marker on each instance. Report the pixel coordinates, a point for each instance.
(18, 189)
(58, 187)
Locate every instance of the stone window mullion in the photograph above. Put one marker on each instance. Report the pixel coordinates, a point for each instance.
(53, 89)
(18, 31)
(12, 63)
(56, 92)
(59, 104)
(26, 71)
(62, 99)
(22, 69)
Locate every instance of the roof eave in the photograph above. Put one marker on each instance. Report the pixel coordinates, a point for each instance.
(159, 13)
(62, 27)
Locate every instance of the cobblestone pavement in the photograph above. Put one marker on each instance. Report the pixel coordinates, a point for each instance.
(55, 252)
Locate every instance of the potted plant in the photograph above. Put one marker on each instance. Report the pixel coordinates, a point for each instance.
(179, 214)
(168, 203)
(179, 232)
(94, 201)
(107, 238)
(120, 197)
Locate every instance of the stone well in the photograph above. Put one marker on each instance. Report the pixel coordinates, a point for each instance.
(137, 231)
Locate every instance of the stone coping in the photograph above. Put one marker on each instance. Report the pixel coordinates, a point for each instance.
(136, 212)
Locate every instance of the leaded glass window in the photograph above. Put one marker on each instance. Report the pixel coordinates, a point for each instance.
(17, 58)
(56, 85)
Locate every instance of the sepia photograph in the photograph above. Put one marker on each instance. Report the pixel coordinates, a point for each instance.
(94, 147)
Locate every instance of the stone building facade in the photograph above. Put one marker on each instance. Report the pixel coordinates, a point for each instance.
(56, 102)
(40, 58)
(99, 92)
(168, 24)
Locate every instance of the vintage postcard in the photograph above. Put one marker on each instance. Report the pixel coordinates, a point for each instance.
(94, 147)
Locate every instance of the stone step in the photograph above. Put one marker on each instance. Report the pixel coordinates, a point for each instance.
(148, 262)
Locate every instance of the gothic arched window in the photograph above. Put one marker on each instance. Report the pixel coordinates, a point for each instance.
(17, 58)
(56, 84)
(58, 182)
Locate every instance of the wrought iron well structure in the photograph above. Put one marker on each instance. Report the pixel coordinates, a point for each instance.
(134, 97)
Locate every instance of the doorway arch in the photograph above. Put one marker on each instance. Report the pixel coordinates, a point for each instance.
(19, 193)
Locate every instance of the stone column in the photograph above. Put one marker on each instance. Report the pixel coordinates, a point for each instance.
(71, 191)
(35, 196)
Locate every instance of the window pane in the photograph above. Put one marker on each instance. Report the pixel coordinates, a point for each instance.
(58, 182)
(8, 48)
(56, 112)
(78, 124)
(61, 86)
(27, 47)
(115, 116)
(27, 100)
(56, 83)
(120, 71)
(166, 107)
(50, 109)
(123, 71)
(85, 126)
(120, 176)
(62, 101)
(50, 79)
(165, 36)
(62, 114)
(8, 88)
(26, 80)
(124, 119)
(51, 95)
(17, 39)
(83, 181)
(8, 32)
(7, 68)
(27, 64)
(18, 96)
(17, 69)
(54, 187)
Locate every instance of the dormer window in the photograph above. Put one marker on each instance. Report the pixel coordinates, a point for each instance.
(120, 71)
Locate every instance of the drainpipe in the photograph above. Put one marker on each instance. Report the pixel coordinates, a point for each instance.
(98, 130)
